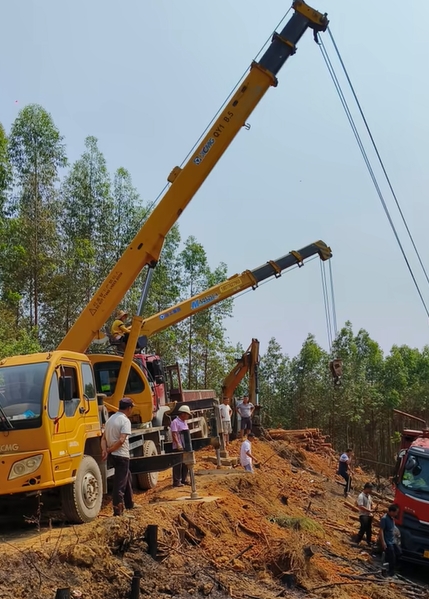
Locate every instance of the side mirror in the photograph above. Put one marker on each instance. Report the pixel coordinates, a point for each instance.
(416, 470)
(66, 388)
(411, 464)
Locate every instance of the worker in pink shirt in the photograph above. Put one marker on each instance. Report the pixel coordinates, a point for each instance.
(179, 424)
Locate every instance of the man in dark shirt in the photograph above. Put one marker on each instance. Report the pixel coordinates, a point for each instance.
(343, 470)
(387, 537)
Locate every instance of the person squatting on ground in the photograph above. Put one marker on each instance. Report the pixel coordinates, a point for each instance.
(365, 505)
(179, 424)
(343, 470)
(246, 457)
(225, 416)
(115, 444)
(245, 409)
(387, 538)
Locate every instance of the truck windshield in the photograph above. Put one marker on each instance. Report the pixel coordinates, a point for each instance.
(415, 479)
(21, 389)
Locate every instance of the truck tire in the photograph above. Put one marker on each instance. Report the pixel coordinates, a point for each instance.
(81, 500)
(203, 433)
(148, 480)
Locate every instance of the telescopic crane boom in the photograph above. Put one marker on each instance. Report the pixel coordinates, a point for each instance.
(145, 248)
(175, 314)
(235, 284)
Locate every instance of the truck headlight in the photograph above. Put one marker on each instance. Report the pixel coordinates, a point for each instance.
(26, 466)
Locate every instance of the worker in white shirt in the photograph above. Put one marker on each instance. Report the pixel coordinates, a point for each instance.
(365, 505)
(225, 416)
(246, 457)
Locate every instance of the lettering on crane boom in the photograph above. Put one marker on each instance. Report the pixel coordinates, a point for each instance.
(205, 150)
(234, 284)
(221, 126)
(204, 300)
(169, 313)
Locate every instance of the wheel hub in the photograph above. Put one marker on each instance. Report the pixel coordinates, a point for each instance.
(90, 490)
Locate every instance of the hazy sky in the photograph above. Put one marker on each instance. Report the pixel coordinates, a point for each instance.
(146, 76)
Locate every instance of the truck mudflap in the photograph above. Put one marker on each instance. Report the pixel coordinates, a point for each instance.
(158, 463)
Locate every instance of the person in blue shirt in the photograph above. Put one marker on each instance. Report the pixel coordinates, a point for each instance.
(387, 537)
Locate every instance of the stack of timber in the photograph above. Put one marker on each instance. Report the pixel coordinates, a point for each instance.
(310, 439)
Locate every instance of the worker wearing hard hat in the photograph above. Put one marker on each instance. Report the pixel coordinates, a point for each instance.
(119, 330)
(179, 424)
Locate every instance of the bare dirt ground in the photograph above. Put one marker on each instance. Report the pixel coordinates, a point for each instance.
(283, 531)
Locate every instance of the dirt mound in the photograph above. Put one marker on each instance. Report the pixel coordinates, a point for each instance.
(278, 532)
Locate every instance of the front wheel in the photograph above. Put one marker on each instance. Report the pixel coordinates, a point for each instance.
(81, 500)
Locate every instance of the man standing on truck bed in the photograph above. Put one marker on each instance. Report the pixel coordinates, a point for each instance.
(225, 416)
(179, 424)
(116, 445)
(245, 410)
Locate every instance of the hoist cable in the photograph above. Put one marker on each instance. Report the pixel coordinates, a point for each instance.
(328, 303)
(378, 155)
(369, 167)
(325, 301)
(334, 309)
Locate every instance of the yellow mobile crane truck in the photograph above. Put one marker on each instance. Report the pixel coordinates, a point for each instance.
(49, 413)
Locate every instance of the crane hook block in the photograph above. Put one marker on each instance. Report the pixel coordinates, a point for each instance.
(336, 368)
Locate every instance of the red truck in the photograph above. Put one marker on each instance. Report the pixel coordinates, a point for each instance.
(411, 480)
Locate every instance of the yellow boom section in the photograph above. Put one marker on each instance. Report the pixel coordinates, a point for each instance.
(146, 246)
(231, 286)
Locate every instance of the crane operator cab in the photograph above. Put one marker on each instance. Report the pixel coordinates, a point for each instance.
(119, 334)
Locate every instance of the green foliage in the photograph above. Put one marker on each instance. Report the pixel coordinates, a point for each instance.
(15, 341)
(36, 154)
(299, 393)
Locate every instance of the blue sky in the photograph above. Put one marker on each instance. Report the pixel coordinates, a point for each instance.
(145, 77)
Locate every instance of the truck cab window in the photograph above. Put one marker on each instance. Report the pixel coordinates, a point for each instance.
(106, 376)
(54, 397)
(88, 381)
(415, 478)
(70, 407)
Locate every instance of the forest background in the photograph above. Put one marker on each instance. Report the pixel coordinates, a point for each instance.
(62, 228)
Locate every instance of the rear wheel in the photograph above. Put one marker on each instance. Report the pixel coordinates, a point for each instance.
(148, 480)
(81, 500)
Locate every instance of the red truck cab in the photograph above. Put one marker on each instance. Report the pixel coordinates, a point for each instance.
(412, 494)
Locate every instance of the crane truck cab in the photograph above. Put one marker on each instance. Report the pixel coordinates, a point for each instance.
(411, 482)
(51, 425)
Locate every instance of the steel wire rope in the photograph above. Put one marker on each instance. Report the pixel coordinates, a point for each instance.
(334, 309)
(344, 103)
(378, 155)
(326, 304)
